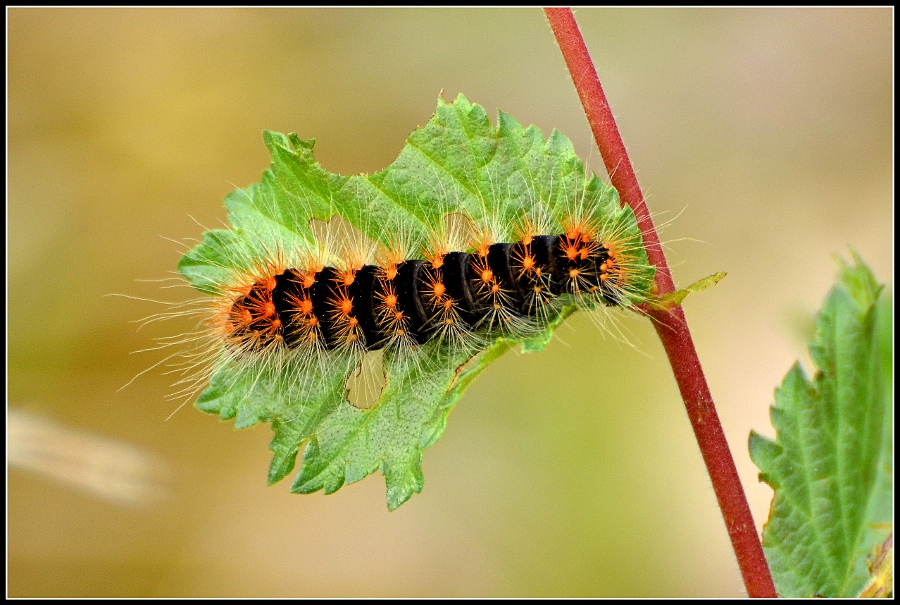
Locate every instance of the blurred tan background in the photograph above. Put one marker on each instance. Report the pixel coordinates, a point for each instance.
(764, 136)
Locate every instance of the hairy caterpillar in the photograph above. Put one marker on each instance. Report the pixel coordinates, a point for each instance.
(455, 295)
(475, 239)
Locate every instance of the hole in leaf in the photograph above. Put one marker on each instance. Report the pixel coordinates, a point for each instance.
(367, 381)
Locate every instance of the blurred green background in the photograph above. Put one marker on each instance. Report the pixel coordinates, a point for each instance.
(763, 139)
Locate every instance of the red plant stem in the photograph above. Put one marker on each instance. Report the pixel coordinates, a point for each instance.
(671, 326)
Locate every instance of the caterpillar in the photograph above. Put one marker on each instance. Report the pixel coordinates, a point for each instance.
(475, 239)
(449, 296)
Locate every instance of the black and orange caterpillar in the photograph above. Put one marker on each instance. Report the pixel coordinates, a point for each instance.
(369, 307)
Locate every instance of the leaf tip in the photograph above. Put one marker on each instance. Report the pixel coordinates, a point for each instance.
(673, 299)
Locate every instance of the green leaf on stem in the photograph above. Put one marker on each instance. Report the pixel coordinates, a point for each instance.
(831, 464)
(673, 299)
(457, 165)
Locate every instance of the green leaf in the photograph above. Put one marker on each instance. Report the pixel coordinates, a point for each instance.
(831, 464)
(457, 164)
(673, 299)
